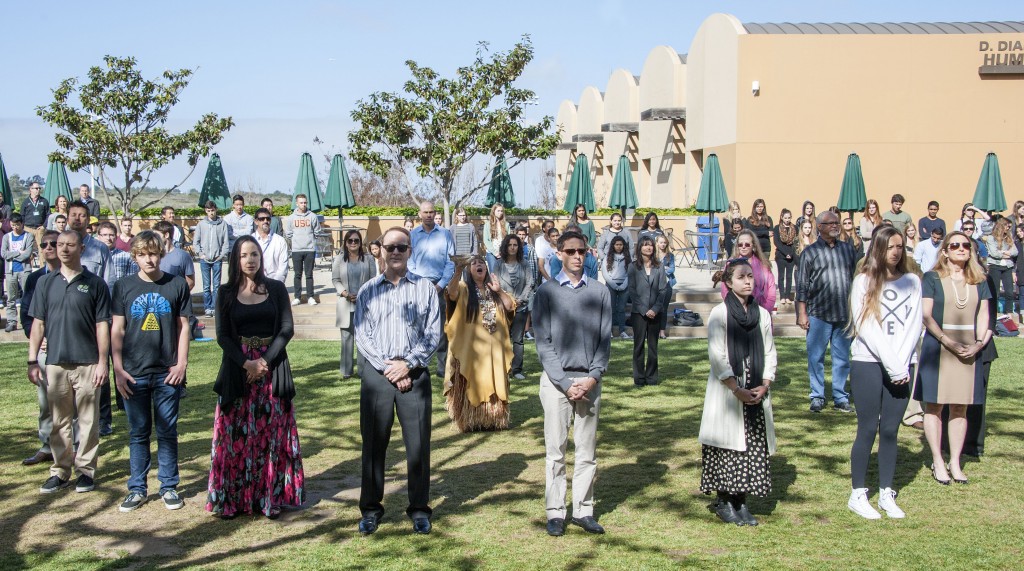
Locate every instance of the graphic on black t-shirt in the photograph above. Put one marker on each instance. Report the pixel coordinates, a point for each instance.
(149, 307)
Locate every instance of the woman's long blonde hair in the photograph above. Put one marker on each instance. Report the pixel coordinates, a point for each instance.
(758, 252)
(973, 272)
(1001, 233)
(812, 238)
(498, 229)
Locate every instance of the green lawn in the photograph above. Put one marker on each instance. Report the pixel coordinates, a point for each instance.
(487, 491)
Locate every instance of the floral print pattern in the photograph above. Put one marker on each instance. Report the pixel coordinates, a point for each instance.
(256, 464)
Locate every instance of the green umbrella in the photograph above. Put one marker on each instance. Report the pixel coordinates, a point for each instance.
(581, 190)
(339, 188)
(712, 196)
(307, 184)
(852, 196)
(989, 194)
(215, 186)
(56, 183)
(500, 189)
(623, 189)
(5, 185)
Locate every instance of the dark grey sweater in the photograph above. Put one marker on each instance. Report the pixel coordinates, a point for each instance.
(573, 330)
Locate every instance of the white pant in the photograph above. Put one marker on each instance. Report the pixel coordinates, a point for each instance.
(559, 412)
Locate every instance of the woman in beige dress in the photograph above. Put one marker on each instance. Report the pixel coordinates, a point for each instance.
(349, 272)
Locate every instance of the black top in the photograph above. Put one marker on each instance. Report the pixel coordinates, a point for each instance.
(256, 320)
(647, 292)
(763, 234)
(151, 311)
(93, 206)
(925, 225)
(71, 310)
(35, 214)
(230, 383)
(26, 298)
(784, 251)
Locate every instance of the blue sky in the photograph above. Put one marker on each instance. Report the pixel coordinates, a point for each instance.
(288, 72)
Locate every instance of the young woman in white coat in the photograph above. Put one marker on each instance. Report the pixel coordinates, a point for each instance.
(737, 432)
(886, 323)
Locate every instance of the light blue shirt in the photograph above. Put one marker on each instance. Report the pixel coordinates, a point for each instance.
(397, 321)
(431, 255)
(96, 259)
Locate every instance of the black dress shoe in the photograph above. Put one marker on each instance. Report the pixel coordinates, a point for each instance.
(725, 512)
(421, 525)
(556, 527)
(745, 516)
(37, 458)
(368, 525)
(588, 523)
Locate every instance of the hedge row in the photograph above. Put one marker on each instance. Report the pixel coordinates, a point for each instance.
(284, 210)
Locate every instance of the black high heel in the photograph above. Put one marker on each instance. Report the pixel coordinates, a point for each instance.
(957, 480)
(936, 478)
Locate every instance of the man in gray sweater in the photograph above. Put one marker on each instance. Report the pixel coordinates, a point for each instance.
(211, 245)
(572, 318)
(301, 229)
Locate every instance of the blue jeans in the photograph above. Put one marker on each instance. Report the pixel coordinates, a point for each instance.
(211, 282)
(619, 308)
(820, 335)
(152, 398)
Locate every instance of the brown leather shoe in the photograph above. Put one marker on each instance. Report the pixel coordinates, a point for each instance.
(37, 458)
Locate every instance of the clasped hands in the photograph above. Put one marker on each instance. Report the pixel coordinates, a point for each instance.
(752, 396)
(580, 387)
(397, 373)
(962, 350)
(255, 369)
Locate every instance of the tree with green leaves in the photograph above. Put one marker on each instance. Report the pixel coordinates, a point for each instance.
(440, 124)
(119, 125)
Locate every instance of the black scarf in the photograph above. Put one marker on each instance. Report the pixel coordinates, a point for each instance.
(743, 337)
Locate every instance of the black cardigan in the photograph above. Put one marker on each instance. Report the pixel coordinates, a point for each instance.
(231, 379)
(782, 249)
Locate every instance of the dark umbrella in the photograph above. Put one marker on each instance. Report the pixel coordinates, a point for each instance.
(989, 194)
(852, 196)
(581, 190)
(215, 186)
(308, 184)
(5, 185)
(56, 183)
(623, 190)
(711, 198)
(500, 189)
(339, 188)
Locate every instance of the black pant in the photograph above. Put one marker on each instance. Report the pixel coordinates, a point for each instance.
(378, 401)
(442, 345)
(645, 331)
(785, 277)
(517, 329)
(1004, 278)
(106, 418)
(302, 263)
(880, 408)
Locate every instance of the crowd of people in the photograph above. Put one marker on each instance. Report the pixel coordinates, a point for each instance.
(471, 297)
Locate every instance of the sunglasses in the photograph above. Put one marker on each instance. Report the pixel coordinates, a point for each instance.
(263, 219)
(958, 245)
(745, 244)
(968, 229)
(402, 248)
(575, 251)
(48, 244)
(355, 241)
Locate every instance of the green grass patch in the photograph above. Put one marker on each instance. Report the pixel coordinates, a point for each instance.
(487, 490)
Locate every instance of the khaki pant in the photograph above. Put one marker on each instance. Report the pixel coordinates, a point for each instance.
(559, 413)
(45, 418)
(70, 388)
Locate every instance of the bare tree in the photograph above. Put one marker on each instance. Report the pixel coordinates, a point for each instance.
(545, 185)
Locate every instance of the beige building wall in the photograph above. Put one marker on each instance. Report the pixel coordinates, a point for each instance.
(912, 106)
(590, 116)
(661, 180)
(621, 107)
(565, 155)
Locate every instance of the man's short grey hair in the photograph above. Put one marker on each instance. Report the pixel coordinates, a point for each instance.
(827, 214)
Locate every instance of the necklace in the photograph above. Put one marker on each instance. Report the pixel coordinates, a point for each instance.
(960, 303)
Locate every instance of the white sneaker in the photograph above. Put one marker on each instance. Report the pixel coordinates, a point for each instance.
(887, 503)
(295, 301)
(312, 301)
(860, 505)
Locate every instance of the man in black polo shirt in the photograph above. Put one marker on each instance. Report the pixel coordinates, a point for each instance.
(71, 310)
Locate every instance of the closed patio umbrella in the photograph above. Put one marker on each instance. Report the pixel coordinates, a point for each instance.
(623, 190)
(500, 190)
(5, 185)
(711, 198)
(339, 188)
(852, 195)
(581, 189)
(307, 184)
(989, 194)
(56, 183)
(215, 186)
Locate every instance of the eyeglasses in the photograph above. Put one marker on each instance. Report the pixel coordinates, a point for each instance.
(263, 219)
(356, 241)
(958, 245)
(834, 223)
(402, 248)
(48, 244)
(575, 251)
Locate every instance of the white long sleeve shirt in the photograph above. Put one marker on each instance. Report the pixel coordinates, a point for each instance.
(275, 256)
(892, 342)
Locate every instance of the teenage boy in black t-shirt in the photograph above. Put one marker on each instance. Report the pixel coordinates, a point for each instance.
(150, 348)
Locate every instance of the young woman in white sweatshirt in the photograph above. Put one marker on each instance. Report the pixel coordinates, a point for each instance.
(886, 323)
